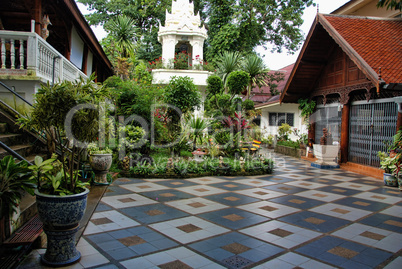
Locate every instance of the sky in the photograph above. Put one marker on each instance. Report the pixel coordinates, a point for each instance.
(273, 61)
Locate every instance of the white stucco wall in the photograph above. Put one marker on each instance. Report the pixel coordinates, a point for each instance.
(283, 108)
(77, 49)
(24, 88)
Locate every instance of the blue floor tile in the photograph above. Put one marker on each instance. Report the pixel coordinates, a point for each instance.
(287, 200)
(384, 222)
(354, 202)
(285, 188)
(167, 195)
(329, 224)
(143, 213)
(239, 199)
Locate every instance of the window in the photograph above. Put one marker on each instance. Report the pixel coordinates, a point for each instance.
(276, 119)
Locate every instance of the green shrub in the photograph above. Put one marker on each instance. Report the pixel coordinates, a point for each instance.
(248, 104)
(289, 143)
(185, 153)
(238, 81)
(182, 93)
(284, 131)
(214, 85)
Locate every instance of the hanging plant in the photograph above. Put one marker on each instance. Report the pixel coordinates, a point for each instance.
(307, 109)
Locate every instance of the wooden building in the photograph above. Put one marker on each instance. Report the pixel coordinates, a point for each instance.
(44, 41)
(352, 67)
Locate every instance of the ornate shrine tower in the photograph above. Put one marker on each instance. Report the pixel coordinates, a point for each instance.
(182, 32)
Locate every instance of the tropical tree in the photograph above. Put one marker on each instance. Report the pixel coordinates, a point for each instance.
(228, 62)
(124, 33)
(257, 70)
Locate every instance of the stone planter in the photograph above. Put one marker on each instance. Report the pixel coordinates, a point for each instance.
(101, 164)
(326, 155)
(390, 180)
(61, 216)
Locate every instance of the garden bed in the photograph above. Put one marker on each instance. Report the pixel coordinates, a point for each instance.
(290, 151)
(210, 167)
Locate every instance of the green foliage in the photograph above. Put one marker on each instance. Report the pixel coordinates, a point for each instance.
(247, 104)
(185, 153)
(15, 177)
(131, 137)
(307, 108)
(214, 85)
(228, 61)
(237, 81)
(387, 163)
(255, 67)
(284, 131)
(198, 125)
(289, 143)
(124, 32)
(180, 61)
(182, 93)
(390, 4)
(134, 98)
(243, 25)
(141, 74)
(53, 105)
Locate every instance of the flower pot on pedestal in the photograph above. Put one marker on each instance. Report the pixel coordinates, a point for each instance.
(101, 164)
(325, 155)
(61, 216)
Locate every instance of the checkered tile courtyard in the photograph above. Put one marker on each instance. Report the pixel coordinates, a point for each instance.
(297, 217)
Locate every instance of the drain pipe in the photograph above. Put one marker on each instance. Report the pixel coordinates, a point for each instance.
(54, 62)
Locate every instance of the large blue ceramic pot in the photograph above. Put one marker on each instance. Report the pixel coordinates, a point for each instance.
(61, 216)
(390, 180)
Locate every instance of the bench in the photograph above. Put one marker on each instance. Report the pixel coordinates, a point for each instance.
(251, 147)
(27, 234)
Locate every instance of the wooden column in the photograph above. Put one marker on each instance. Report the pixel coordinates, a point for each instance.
(38, 16)
(311, 133)
(399, 120)
(345, 133)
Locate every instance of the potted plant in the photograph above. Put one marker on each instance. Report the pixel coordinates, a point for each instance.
(15, 177)
(100, 161)
(389, 165)
(68, 113)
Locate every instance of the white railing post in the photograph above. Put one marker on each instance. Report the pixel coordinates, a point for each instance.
(3, 53)
(12, 53)
(32, 53)
(22, 58)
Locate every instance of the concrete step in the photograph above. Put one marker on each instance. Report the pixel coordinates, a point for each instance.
(23, 150)
(10, 139)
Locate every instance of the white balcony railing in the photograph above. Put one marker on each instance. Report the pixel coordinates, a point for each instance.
(31, 53)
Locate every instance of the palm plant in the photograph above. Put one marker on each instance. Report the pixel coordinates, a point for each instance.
(198, 125)
(124, 31)
(257, 70)
(227, 63)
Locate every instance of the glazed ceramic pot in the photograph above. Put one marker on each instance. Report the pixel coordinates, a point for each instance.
(101, 164)
(390, 180)
(61, 216)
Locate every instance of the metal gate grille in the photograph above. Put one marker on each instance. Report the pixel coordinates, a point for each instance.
(328, 117)
(371, 127)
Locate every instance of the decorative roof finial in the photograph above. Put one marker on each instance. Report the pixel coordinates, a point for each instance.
(379, 74)
(318, 8)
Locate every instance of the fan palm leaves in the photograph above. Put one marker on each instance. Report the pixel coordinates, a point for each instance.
(257, 70)
(198, 125)
(124, 31)
(227, 63)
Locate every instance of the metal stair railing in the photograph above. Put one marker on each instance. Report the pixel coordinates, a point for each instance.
(16, 113)
(13, 153)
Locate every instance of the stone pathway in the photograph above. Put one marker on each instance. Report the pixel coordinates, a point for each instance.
(298, 217)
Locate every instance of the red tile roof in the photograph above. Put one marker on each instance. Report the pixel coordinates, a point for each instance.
(263, 94)
(378, 41)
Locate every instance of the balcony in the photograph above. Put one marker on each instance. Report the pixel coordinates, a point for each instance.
(162, 76)
(27, 56)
